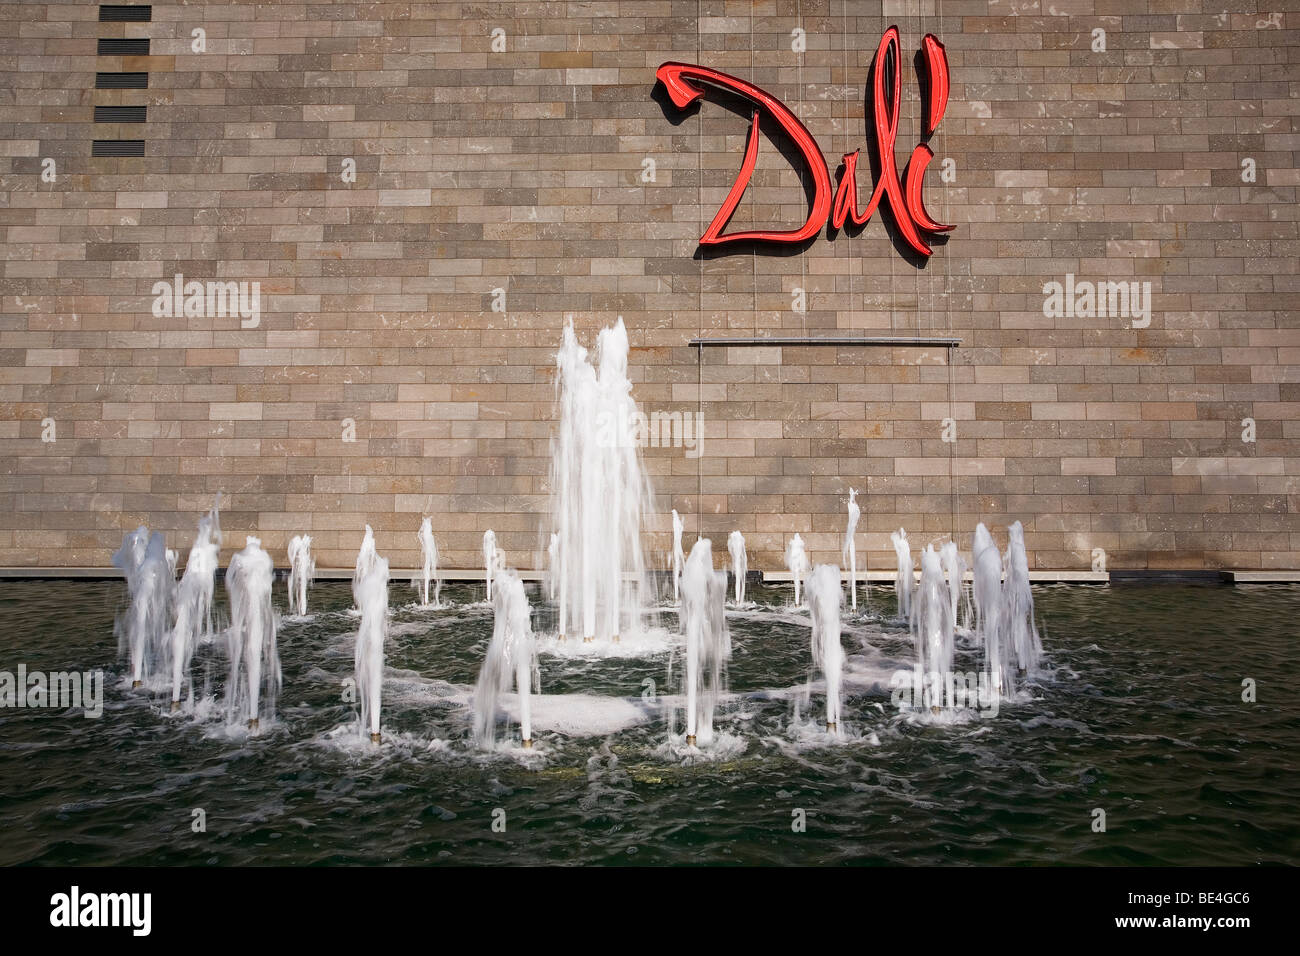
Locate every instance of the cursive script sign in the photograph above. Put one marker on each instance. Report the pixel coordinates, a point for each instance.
(901, 193)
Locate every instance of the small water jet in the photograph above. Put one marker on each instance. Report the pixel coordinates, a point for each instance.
(1018, 603)
(906, 570)
(599, 491)
(990, 632)
(511, 657)
(739, 563)
(825, 598)
(489, 559)
(679, 557)
(144, 628)
(932, 626)
(428, 564)
(849, 553)
(796, 560)
(302, 568)
(255, 676)
(194, 600)
(370, 591)
(954, 566)
(708, 643)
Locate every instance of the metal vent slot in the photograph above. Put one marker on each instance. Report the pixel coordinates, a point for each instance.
(123, 48)
(121, 81)
(120, 114)
(125, 13)
(117, 147)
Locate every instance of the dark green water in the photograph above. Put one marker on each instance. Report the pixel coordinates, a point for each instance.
(1139, 714)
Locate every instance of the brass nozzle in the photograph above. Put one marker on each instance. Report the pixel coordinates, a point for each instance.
(176, 705)
(374, 738)
(253, 723)
(830, 726)
(690, 740)
(528, 743)
(136, 683)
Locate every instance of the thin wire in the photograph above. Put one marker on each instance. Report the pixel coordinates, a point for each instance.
(699, 315)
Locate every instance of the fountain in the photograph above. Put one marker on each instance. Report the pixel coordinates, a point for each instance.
(1018, 604)
(796, 559)
(302, 567)
(511, 656)
(955, 568)
(552, 563)
(142, 630)
(428, 564)
(254, 659)
(825, 597)
(850, 551)
(932, 626)
(599, 491)
(366, 558)
(489, 558)
(370, 589)
(903, 580)
(990, 632)
(194, 600)
(679, 557)
(739, 563)
(708, 644)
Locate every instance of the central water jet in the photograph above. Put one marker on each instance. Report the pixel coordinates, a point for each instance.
(599, 491)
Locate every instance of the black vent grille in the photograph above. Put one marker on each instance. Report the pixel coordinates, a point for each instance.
(124, 12)
(123, 47)
(121, 81)
(120, 114)
(117, 147)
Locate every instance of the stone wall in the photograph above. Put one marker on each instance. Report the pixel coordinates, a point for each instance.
(525, 170)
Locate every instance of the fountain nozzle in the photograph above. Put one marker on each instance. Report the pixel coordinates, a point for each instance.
(690, 740)
(934, 709)
(374, 738)
(253, 723)
(136, 683)
(830, 726)
(528, 743)
(176, 705)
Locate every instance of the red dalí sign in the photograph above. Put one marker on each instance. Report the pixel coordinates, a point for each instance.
(901, 193)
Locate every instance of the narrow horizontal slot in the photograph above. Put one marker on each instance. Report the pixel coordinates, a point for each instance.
(123, 47)
(117, 147)
(125, 13)
(121, 81)
(120, 114)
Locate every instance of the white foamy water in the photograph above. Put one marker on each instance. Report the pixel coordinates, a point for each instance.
(599, 491)
(302, 567)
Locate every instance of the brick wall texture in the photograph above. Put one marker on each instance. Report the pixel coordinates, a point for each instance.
(524, 168)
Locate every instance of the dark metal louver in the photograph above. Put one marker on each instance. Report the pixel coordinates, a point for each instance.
(125, 12)
(120, 114)
(121, 81)
(123, 47)
(117, 147)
